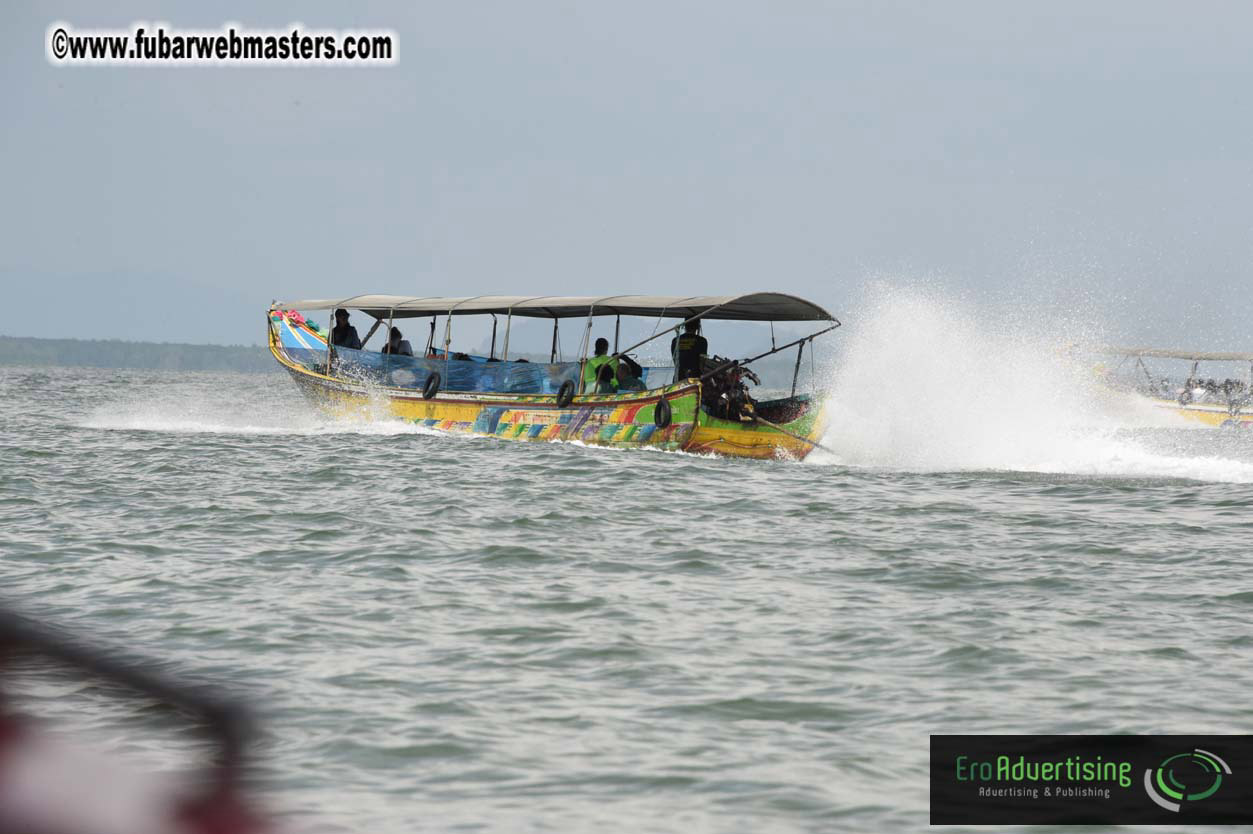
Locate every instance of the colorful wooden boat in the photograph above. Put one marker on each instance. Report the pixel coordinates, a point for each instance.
(520, 400)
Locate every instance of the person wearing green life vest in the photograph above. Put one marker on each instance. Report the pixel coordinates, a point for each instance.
(594, 381)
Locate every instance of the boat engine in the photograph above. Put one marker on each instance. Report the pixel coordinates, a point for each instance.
(725, 393)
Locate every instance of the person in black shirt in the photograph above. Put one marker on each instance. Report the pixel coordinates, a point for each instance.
(344, 334)
(688, 350)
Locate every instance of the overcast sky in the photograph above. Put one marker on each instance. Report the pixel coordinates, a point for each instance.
(1071, 155)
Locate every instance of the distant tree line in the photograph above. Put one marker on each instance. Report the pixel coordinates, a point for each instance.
(112, 353)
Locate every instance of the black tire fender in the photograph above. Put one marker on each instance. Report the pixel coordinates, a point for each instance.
(565, 394)
(662, 413)
(431, 387)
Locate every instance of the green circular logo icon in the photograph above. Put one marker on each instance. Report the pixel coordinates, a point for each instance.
(1185, 777)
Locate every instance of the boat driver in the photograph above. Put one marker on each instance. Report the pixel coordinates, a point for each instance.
(344, 334)
(688, 350)
(592, 381)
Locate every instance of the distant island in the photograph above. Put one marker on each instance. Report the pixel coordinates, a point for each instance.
(112, 353)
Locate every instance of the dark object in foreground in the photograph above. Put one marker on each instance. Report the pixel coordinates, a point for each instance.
(213, 806)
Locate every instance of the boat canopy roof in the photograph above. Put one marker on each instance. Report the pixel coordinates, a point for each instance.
(760, 306)
(1193, 356)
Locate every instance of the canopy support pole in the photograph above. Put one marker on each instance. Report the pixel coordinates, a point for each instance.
(447, 341)
(813, 370)
(508, 327)
(430, 340)
(387, 357)
(617, 329)
(330, 334)
(369, 334)
(586, 347)
(796, 372)
(553, 355)
(492, 353)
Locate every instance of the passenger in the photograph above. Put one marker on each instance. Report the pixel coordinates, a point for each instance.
(344, 334)
(687, 351)
(591, 369)
(629, 374)
(606, 380)
(397, 344)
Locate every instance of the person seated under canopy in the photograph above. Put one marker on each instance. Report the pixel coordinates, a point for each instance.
(688, 350)
(397, 344)
(629, 374)
(344, 334)
(606, 381)
(592, 377)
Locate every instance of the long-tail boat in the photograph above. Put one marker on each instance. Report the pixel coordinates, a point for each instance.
(711, 411)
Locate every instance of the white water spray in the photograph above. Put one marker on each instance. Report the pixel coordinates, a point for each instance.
(243, 406)
(924, 383)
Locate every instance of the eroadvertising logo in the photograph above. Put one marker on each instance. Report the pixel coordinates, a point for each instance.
(1059, 780)
(1194, 776)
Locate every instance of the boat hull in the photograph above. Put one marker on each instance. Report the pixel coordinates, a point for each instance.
(1208, 414)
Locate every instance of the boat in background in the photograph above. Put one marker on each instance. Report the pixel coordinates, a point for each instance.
(712, 412)
(1227, 402)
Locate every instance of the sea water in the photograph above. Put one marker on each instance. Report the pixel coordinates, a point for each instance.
(447, 633)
